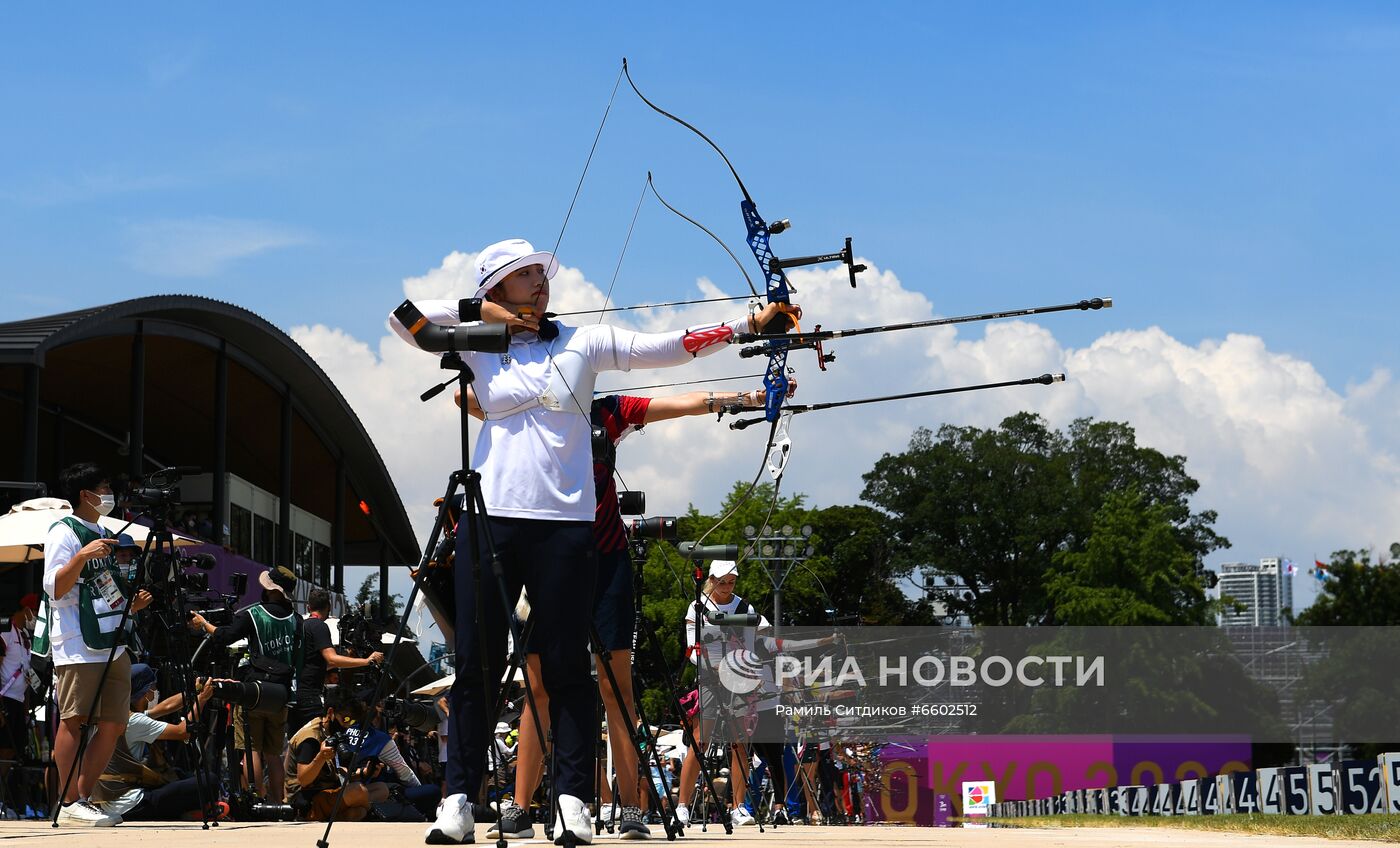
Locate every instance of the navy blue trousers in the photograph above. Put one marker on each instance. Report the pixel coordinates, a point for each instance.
(554, 560)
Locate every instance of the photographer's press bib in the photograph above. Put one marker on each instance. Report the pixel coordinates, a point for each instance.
(101, 599)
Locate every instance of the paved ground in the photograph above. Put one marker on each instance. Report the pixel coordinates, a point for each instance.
(305, 835)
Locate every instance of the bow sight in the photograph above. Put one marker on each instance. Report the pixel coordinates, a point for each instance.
(843, 256)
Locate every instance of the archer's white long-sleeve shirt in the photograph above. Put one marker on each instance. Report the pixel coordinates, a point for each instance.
(534, 452)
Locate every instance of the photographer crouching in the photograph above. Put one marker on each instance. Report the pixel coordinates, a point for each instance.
(275, 639)
(321, 752)
(133, 786)
(321, 655)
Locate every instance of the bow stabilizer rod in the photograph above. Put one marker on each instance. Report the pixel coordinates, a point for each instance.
(1042, 380)
(811, 339)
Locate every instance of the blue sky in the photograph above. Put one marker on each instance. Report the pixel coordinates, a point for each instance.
(1217, 170)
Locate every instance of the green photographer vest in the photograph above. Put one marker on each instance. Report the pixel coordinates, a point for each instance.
(99, 627)
(277, 636)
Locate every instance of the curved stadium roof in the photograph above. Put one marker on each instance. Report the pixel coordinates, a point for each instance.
(262, 350)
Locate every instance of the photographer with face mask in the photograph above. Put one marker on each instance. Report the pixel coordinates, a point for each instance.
(319, 757)
(85, 597)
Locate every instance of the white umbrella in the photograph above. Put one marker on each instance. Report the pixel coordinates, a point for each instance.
(24, 528)
(437, 687)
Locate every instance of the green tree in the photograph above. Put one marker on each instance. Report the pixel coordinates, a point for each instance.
(852, 577)
(1357, 592)
(993, 507)
(369, 593)
(1133, 570)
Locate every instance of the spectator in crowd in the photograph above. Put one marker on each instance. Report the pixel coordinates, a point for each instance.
(15, 676)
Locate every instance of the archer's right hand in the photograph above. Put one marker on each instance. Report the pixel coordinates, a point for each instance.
(522, 319)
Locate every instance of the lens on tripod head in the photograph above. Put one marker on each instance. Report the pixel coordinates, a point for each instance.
(253, 696)
(414, 714)
(660, 527)
(632, 503)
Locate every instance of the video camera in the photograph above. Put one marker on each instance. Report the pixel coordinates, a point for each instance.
(361, 629)
(158, 493)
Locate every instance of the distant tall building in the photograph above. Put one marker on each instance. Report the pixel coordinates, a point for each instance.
(1265, 590)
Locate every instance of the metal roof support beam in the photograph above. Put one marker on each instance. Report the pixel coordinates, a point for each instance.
(338, 528)
(220, 463)
(284, 494)
(29, 444)
(136, 420)
(383, 580)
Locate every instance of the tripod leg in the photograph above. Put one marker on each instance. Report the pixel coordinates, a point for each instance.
(443, 520)
(687, 726)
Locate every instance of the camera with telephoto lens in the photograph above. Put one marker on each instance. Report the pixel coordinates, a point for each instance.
(264, 811)
(660, 527)
(632, 503)
(253, 695)
(413, 714)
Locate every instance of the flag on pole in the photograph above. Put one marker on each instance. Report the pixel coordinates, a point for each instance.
(1289, 568)
(1319, 570)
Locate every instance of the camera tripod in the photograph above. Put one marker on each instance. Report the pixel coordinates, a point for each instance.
(638, 549)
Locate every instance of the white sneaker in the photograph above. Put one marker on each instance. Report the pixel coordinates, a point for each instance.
(454, 824)
(123, 803)
(605, 813)
(84, 814)
(683, 813)
(740, 817)
(573, 819)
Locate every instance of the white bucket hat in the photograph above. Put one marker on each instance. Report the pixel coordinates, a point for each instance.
(723, 568)
(497, 261)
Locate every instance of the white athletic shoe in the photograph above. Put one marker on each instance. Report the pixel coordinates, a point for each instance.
(683, 813)
(740, 817)
(574, 819)
(84, 814)
(454, 824)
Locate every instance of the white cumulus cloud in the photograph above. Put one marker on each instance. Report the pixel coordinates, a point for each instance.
(1293, 466)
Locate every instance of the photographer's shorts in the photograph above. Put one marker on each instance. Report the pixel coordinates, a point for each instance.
(77, 684)
(266, 731)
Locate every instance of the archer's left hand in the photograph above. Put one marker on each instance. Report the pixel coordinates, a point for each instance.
(775, 312)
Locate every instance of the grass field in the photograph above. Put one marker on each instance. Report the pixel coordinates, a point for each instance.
(1381, 828)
